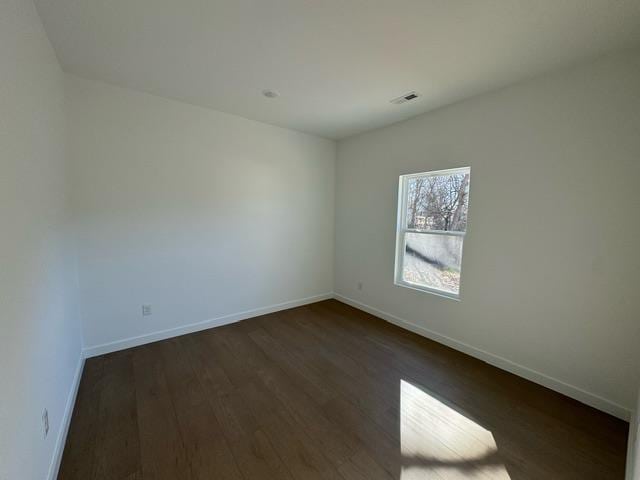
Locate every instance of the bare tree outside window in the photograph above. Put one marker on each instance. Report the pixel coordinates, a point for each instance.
(434, 210)
(438, 202)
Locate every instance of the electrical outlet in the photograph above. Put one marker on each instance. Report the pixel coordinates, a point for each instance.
(146, 310)
(45, 423)
(359, 285)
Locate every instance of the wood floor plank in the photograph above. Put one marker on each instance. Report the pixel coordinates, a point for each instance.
(117, 450)
(362, 467)
(206, 450)
(79, 452)
(252, 449)
(382, 446)
(278, 391)
(326, 392)
(294, 364)
(360, 388)
(162, 451)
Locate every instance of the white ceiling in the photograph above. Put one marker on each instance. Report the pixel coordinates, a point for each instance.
(336, 63)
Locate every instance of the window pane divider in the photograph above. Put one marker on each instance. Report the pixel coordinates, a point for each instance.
(436, 232)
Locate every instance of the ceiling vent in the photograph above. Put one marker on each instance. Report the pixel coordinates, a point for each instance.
(407, 97)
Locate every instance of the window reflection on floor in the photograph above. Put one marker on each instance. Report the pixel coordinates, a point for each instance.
(440, 443)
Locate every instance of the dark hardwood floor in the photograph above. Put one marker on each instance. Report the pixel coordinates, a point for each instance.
(326, 391)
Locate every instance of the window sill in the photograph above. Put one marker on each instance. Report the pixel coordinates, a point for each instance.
(433, 291)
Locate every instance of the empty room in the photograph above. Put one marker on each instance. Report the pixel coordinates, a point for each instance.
(319, 239)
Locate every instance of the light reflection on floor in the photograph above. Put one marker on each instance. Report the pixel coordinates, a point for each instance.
(440, 443)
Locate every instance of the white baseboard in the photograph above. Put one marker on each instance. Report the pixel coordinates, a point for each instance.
(58, 449)
(572, 391)
(195, 327)
(633, 449)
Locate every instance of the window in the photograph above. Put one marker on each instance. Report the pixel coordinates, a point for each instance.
(432, 221)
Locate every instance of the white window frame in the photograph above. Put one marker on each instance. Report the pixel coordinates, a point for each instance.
(402, 230)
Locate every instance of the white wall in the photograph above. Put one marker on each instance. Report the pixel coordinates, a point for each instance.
(198, 213)
(39, 331)
(551, 260)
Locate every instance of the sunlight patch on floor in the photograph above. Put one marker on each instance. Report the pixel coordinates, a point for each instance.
(440, 443)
